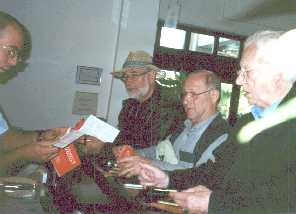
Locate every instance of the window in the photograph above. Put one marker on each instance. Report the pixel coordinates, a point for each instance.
(228, 47)
(172, 38)
(243, 105)
(171, 80)
(190, 48)
(201, 43)
(224, 104)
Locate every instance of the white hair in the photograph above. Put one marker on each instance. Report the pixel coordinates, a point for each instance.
(274, 48)
(286, 55)
(261, 38)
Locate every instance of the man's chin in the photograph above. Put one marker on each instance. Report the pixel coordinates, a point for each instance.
(133, 95)
(7, 74)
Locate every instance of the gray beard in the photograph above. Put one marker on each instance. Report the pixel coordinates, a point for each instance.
(140, 93)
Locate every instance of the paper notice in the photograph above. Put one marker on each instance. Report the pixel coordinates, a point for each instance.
(99, 129)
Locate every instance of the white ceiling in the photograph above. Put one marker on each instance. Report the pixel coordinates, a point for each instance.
(236, 16)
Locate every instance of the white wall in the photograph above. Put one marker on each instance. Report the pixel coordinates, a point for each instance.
(139, 34)
(64, 34)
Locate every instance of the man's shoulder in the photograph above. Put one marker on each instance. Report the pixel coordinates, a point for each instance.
(243, 120)
(128, 103)
(219, 123)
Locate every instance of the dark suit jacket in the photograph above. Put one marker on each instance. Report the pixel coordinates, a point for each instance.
(263, 178)
(210, 174)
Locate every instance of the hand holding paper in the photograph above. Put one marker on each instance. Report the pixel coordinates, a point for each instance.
(68, 158)
(93, 127)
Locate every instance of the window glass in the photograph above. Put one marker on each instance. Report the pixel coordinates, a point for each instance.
(228, 47)
(243, 105)
(224, 103)
(172, 81)
(201, 43)
(172, 38)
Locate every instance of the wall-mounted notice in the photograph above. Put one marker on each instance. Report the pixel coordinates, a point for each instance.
(88, 75)
(85, 103)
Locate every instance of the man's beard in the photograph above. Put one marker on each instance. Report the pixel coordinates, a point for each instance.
(139, 93)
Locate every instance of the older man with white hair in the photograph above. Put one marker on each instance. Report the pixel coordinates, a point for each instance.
(263, 178)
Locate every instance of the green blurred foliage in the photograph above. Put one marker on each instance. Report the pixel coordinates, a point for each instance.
(173, 86)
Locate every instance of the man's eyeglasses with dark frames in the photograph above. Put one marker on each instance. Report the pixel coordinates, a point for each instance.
(194, 94)
(124, 76)
(12, 51)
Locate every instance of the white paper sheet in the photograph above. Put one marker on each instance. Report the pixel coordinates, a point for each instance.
(70, 136)
(95, 127)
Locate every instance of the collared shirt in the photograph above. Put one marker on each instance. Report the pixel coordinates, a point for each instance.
(185, 142)
(3, 125)
(259, 112)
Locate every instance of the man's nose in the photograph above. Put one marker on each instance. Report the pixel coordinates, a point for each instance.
(12, 61)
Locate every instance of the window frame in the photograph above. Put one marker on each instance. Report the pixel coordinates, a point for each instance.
(190, 29)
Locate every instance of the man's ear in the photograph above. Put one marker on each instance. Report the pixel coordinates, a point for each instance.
(151, 76)
(278, 80)
(215, 94)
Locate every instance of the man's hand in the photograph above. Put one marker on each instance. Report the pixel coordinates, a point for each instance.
(39, 151)
(129, 166)
(195, 200)
(123, 151)
(91, 145)
(52, 134)
(152, 176)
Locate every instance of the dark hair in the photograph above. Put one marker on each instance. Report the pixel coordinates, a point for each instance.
(25, 52)
(8, 20)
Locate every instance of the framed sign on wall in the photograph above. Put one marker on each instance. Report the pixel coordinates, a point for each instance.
(85, 103)
(88, 75)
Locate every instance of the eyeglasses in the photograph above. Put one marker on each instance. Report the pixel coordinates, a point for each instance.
(193, 94)
(13, 52)
(244, 73)
(124, 76)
